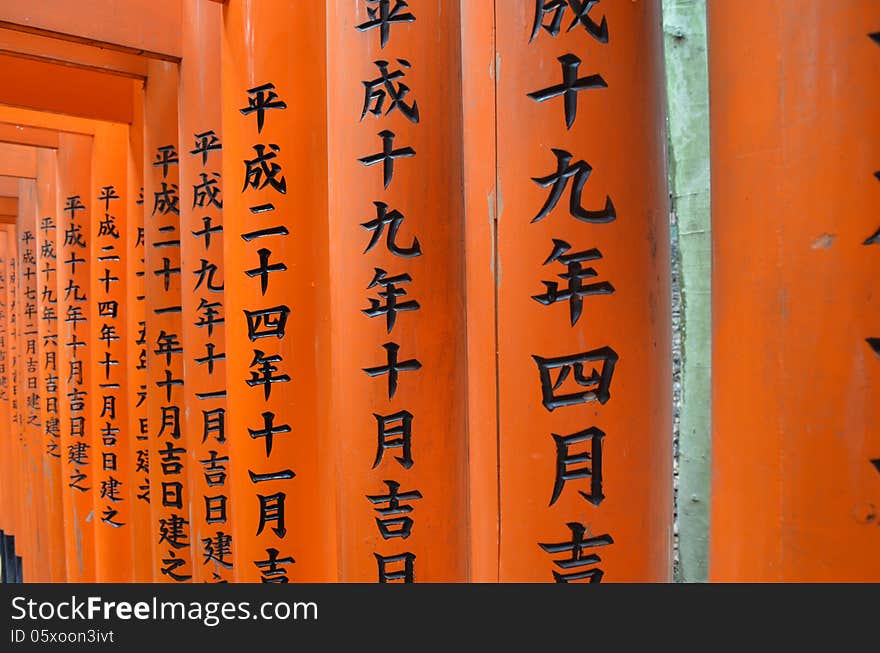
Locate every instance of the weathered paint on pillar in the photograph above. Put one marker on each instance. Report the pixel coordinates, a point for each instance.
(47, 356)
(481, 270)
(7, 489)
(7, 480)
(276, 253)
(795, 95)
(114, 468)
(398, 332)
(136, 349)
(583, 295)
(169, 495)
(74, 354)
(201, 219)
(20, 516)
(688, 88)
(36, 564)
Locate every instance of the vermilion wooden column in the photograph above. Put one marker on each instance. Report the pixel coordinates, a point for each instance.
(166, 404)
(21, 521)
(582, 294)
(75, 354)
(276, 279)
(480, 234)
(7, 490)
(114, 465)
(48, 293)
(398, 411)
(47, 356)
(25, 536)
(795, 88)
(136, 349)
(201, 219)
(8, 441)
(36, 564)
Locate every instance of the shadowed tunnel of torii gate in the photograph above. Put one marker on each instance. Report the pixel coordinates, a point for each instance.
(91, 554)
(440, 411)
(48, 69)
(19, 171)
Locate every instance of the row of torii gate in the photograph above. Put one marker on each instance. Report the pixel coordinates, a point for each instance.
(380, 291)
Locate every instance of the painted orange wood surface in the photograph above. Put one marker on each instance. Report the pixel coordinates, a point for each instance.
(795, 147)
(34, 490)
(169, 494)
(39, 119)
(8, 492)
(431, 341)
(18, 161)
(136, 349)
(14, 522)
(204, 328)
(136, 26)
(583, 320)
(481, 276)
(21, 520)
(285, 526)
(47, 357)
(59, 89)
(71, 55)
(397, 332)
(25, 135)
(73, 242)
(114, 467)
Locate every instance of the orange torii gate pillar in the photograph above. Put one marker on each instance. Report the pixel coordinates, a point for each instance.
(36, 487)
(558, 262)
(795, 88)
(114, 466)
(78, 440)
(203, 316)
(567, 238)
(47, 347)
(165, 398)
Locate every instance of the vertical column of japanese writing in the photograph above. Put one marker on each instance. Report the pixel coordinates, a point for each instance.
(578, 454)
(165, 396)
(266, 319)
(13, 348)
(275, 249)
(75, 353)
(31, 413)
(15, 353)
(26, 537)
(47, 351)
(6, 441)
(28, 314)
(384, 94)
(74, 250)
(205, 363)
(112, 508)
(579, 103)
(204, 317)
(567, 142)
(15, 435)
(73, 278)
(398, 331)
(12, 425)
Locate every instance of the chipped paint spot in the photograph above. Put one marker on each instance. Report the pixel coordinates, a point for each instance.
(78, 540)
(499, 209)
(492, 210)
(825, 241)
